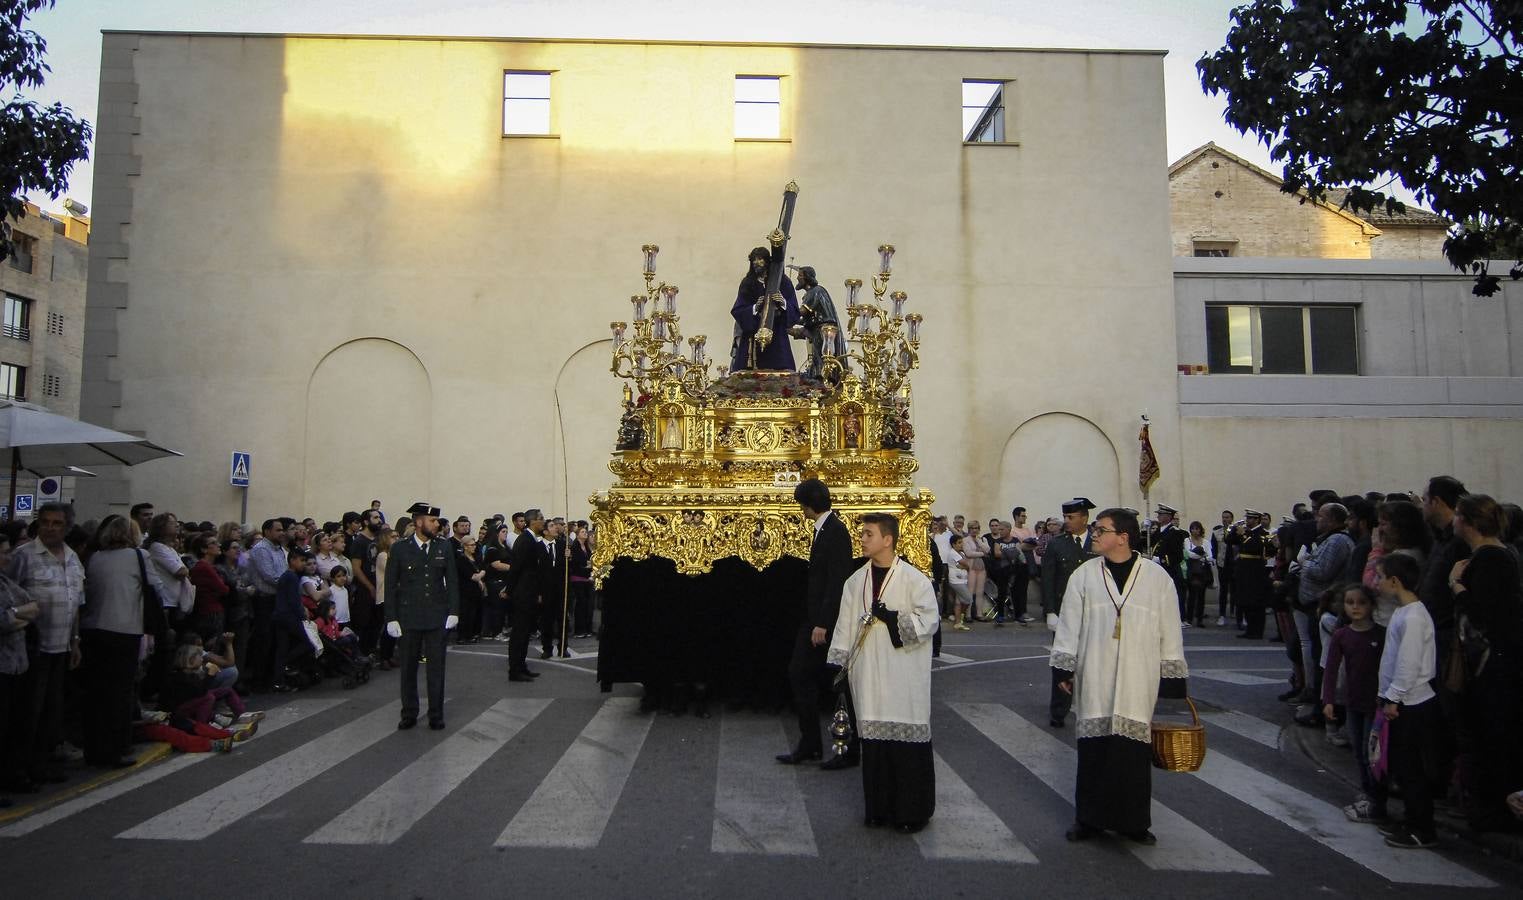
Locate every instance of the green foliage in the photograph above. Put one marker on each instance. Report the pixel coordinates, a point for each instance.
(1355, 93)
(38, 144)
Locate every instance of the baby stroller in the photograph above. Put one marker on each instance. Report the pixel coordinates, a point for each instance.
(343, 658)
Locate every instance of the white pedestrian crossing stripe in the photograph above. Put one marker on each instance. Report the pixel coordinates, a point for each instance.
(572, 806)
(758, 808)
(1227, 676)
(391, 809)
(964, 827)
(1181, 844)
(1327, 825)
(1244, 725)
(274, 720)
(225, 804)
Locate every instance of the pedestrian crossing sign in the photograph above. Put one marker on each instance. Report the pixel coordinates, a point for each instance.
(240, 469)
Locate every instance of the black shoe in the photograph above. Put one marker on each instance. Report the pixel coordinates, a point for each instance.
(840, 761)
(436, 724)
(1289, 696)
(1056, 723)
(533, 674)
(798, 756)
(407, 722)
(1078, 831)
(520, 676)
(1144, 837)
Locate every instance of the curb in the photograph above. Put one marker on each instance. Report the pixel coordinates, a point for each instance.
(151, 754)
(1340, 764)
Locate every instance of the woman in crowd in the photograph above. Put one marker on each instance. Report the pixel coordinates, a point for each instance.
(327, 555)
(385, 644)
(581, 582)
(1200, 562)
(119, 605)
(209, 615)
(499, 558)
(472, 592)
(1402, 530)
(973, 553)
(1488, 602)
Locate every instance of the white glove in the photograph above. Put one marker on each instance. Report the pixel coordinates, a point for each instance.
(450, 622)
(394, 629)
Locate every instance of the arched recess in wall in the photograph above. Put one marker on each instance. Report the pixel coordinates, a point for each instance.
(587, 400)
(369, 424)
(1052, 457)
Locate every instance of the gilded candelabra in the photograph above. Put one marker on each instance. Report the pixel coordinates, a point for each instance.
(653, 353)
(887, 341)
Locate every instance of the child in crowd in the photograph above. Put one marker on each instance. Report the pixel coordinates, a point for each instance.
(957, 580)
(338, 592)
(1407, 668)
(219, 660)
(191, 704)
(328, 623)
(1330, 618)
(1354, 651)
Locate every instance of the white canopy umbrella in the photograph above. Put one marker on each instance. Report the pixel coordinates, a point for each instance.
(46, 443)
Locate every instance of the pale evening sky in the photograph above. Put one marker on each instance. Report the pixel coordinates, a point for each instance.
(1185, 28)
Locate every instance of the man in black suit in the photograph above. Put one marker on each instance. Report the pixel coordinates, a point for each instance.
(528, 570)
(1168, 542)
(1064, 554)
(422, 603)
(830, 563)
(552, 591)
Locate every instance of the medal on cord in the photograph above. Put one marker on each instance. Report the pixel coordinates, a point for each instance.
(1106, 578)
(867, 595)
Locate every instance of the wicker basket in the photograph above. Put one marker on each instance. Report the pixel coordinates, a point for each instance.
(1178, 747)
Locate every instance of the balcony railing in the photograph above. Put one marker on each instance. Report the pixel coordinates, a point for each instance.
(19, 332)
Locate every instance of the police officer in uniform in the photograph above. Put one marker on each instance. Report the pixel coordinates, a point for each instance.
(1064, 554)
(423, 602)
(1168, 543)
(1250, 578)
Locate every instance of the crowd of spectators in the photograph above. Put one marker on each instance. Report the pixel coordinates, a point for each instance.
(147, 627)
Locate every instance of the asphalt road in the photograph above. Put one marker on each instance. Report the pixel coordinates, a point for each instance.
(557, 789)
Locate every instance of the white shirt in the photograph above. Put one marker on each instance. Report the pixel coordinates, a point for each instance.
(340, 598)
(955, 574)
(819, 523)
(943, 544)
(1409, 660)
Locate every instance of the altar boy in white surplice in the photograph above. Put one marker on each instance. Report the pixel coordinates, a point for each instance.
(883, 638)
(1117, 648)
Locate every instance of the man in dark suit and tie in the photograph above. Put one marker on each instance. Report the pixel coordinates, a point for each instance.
(524, 578)
(552, 591)
(423, 602)
(1064, 554)
(830, 563)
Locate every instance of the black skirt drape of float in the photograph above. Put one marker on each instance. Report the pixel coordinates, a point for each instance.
(731, 628)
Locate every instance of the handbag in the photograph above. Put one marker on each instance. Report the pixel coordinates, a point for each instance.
(1379, 746)
(1456, 668)
(153, 605)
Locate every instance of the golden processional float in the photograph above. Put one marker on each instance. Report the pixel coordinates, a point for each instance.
(706, 465)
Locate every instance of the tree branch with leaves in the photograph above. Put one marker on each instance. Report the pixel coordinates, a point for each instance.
(1349, 93)
(39, 145)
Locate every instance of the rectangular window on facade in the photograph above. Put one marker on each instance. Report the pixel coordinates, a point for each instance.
(18, 318)
(1215, 248)
(983, 111)
(525, 103)
(23, 249)
(1282, 340)
(758, 106)
(12, 382)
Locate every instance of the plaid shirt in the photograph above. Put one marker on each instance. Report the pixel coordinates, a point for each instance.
(58, 586)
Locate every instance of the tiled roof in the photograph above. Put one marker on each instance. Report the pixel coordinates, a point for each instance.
(1414, 216)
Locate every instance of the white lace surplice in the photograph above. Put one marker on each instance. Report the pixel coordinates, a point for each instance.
(891, 686)
(1116, 681)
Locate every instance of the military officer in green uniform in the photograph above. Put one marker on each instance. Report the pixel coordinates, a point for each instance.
(423, 601)
(1064, 553)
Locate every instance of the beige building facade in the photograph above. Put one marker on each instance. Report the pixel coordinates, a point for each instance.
(1222, 205)
(381, 294)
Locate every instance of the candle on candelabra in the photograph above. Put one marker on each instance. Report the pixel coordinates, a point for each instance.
(914, 320)
(829, 332)
(853, 285)
(669, 298)
(642, 364)
(885, 258)
(658, 326)
(649, 251)
(680, 367)
(898, 298)
(638, 302)
(695, 345)
(864, 319)
(618, 334)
